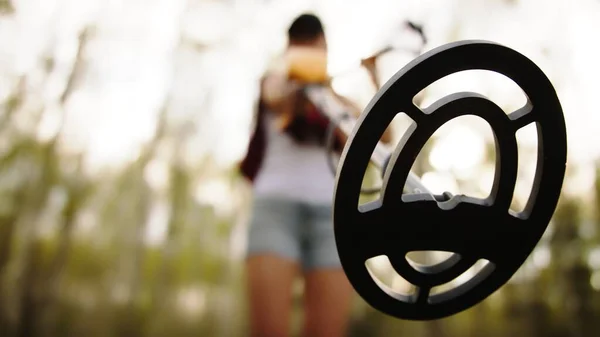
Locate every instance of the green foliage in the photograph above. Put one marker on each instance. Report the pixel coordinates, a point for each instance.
(100, 293)
(6, 7)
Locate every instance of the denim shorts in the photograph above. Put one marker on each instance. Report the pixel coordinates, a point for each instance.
(295, 230)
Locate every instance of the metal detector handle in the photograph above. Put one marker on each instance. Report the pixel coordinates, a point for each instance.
(418, 29)
(346, 123)
(390, 47)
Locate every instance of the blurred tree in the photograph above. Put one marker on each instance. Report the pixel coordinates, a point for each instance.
(597, 198)
(38, 279)
(6, 7)
(572, 274)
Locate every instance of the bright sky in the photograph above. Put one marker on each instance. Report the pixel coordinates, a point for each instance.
(131, 58)
(134, 62)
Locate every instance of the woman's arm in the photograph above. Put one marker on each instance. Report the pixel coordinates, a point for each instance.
(276, 89)
(370, 65)
(387, 134)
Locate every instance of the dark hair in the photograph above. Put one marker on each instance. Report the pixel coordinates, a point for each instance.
(306, 27)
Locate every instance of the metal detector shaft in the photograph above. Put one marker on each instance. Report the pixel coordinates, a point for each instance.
(381, 153)
(337, 113)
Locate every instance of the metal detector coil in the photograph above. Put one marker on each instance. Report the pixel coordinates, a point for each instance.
(470, 228)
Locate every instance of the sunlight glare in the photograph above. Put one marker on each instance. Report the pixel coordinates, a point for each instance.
(595, 280)
(486, 178)
(192, 301)
(593, 259)
(215, 192)
(542, 257)
(209, 22)
(87, 222)
(158, 222)
(439, 182)
(578, 184)
(51, 123)
(460, 151)
(157, 174)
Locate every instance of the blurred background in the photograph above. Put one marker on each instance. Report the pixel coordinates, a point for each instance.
(122, 121)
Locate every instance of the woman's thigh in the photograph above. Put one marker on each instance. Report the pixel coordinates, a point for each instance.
(328, 293)
(327, 303)
(270, 279)
(272, 265)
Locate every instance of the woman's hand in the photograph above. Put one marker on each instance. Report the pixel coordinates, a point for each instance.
(370, 64)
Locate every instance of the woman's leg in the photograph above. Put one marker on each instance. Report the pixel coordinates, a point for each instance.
(328, 300)
(270, 280)
(272, 265)
(328, 293)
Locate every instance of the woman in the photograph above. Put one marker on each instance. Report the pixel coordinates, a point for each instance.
(291, 231)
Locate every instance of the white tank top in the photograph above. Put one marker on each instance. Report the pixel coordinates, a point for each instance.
(291, 170)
